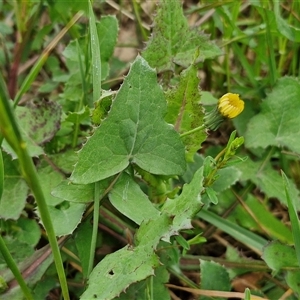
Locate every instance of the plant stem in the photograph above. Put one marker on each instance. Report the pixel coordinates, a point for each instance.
(11, 132)
(95, 226)
(141, 30)
(1, 171)
(192, 131)
(14, 268)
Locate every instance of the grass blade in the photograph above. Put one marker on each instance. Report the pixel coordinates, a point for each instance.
(253, 241)
(11, 132)
(96, 58)
(293, 216)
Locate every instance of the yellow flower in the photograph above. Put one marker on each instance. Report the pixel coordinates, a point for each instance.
(230, 105)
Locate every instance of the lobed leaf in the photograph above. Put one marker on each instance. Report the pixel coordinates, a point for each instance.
(137, 262)
(185, 110)
(172, 41)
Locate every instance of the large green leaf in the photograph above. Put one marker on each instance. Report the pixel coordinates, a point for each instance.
(134, 131)
(185, 110)
(136, 262)
(127, 265)
(173, 42)
(278, 122)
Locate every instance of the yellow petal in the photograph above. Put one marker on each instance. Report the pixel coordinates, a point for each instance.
(230, 105)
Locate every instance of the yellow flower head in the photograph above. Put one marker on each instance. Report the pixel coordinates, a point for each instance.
(230, 105)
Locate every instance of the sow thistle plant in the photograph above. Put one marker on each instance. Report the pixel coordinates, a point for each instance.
(133, 156)
(229, 106)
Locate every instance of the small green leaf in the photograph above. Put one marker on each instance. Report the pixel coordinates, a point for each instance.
(212, 195)
(3, 285)
(102, 107)
(50, 179)
(198, 239)
(212, 270)
(28, 232)
(128, 198)
(278, 122)
(185, 206)
(66, 218)
(79, 116)
(278, 256)
(74, 192)
(182, 242)
(226, 178)
(15, 190)
(134, 131)
(107, 30)
(173, 42)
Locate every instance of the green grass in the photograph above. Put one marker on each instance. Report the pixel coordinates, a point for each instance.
(87, 154)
